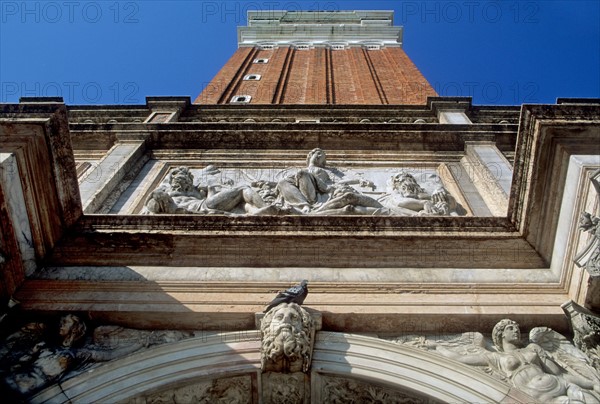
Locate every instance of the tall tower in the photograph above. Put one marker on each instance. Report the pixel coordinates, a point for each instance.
(304, 57)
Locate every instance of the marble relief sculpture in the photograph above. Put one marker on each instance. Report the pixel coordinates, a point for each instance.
(338, 390)
(180, 195)
(284, 388)
(322, 190)
(287, 338)
(407, 197)
(548, 368)
(316, 189)
(586, 330)
(591, 224)
(589, 258)
(38, 355)
(228, 390)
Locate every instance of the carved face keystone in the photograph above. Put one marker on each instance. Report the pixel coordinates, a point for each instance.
(286, 320)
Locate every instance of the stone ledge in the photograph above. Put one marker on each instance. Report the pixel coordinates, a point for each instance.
(352, 307)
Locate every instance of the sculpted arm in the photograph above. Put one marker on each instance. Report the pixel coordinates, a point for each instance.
(357, 181)
(472, 359)
(322, 185)
(548, 364)
(98, 355)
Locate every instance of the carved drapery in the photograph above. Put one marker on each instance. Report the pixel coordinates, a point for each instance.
(315, 190)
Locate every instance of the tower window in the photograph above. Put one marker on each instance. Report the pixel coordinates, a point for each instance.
(240, 99)
(254, 77)
(261, 61)
(303, 47)
(373, 47)
(267, 46)
(338, 47)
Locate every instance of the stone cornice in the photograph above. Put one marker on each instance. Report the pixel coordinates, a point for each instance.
(282, 28)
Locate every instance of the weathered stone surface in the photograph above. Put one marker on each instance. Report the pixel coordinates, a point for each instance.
(32, 358)
(225, 367)
(386, 271)
(287, 339)
(37, 136)
(586, 331)
(288, 388)
(230, 390)
(345, 390)
(315, 190)
(548, 368)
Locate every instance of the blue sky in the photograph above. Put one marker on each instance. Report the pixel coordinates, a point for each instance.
(500, 52)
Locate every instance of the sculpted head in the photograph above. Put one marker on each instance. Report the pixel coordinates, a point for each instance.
(316, 157)
(181, 180)
(587, 221)
(286, 333)
(406, 185)
(71, 329)
(506, 330)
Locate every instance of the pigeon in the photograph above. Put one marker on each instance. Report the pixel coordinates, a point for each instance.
(295, 294)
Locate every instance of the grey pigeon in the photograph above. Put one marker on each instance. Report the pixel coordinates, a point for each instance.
(295, 294)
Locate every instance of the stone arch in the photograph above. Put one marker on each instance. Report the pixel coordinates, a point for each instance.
(367, 360)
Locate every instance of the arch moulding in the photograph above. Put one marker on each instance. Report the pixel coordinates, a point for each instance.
(226, 366)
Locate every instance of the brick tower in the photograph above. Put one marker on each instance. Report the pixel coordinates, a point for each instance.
(302, 57)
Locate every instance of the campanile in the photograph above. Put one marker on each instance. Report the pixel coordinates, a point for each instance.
(304, 57)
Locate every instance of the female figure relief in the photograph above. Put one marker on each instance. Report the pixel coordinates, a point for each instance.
(532, 369)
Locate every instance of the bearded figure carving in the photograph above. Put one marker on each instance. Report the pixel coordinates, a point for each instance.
(287, 333)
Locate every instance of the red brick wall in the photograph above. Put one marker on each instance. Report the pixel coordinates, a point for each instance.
(320, 76)
(213, 92)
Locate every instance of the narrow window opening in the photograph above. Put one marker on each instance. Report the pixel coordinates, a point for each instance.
(252, 77)
(240, 99)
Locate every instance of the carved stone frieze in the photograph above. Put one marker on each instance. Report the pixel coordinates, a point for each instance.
(40, 353)
(589, 258)
(315, 190)
(547, 367)
(338, 390)
(591, 224)
(287, 339)
(586, 331)
(280, 388)
(230, 390)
